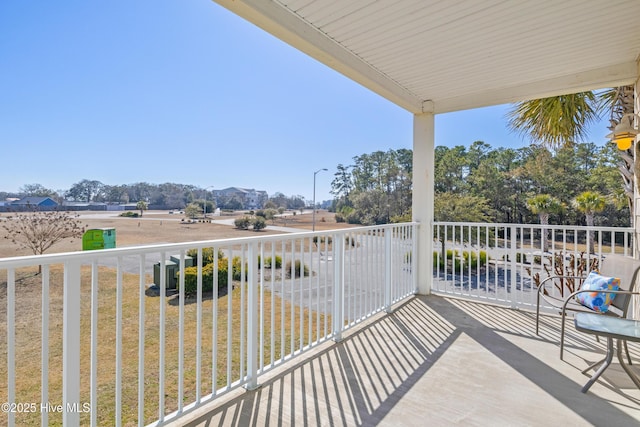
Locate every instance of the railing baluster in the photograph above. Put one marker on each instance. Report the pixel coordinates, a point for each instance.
(214, 328)
(310, 282)
(44, 393)
(162, 339)
(119, 302)
(273, 304)
(252, 317)
(241, 312)
(198, 323)
(229, 315)
(387, 269)
(11, 342)
(181, 294)
(94, 341)
(338, 289)
(262, 320)
(70, 343)
(141, 341)
(299, 284)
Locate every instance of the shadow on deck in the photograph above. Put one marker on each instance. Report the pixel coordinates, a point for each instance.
(438, 361)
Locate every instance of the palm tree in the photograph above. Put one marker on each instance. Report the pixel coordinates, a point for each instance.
(589, 203)
(555, 121)
(543, 205)
(559, 120)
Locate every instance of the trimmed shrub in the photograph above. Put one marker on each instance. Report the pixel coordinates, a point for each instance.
(259, 223)
(242, 223)
(350, 241)
(207, 255)
(191, 278)
(299, 269)
(191, 274)
(520, 257)
(268, 262)
(473, 258)
(354, 218)
(322, 239)
(236, 265)
(461, 260)
(130, 214)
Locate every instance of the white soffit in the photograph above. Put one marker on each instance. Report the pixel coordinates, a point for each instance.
(461, 54)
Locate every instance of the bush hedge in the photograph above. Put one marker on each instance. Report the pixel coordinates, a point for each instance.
(468, 258)
(298, 270)
(207, 255)
(191, 275)
(268, 262)
(258, 223)
(242, 223)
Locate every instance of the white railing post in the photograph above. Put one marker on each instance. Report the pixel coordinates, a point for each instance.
(414, 258)
(387, 269)
(71, 345)
(513, 240)
(252, 317)
(338, 286)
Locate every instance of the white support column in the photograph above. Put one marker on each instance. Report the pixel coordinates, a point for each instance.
(423, 195)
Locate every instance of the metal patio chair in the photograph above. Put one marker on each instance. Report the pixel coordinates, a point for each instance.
(613, 265)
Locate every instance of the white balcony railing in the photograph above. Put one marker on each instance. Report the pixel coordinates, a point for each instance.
(502, 263)
(89, 341)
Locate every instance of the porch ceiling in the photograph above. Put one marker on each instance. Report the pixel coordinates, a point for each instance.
(441, 56)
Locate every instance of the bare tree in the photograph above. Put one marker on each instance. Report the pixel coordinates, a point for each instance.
(38, 230)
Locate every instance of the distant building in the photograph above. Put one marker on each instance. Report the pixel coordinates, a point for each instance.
(39, 202)
(248, 197)
(85, 206)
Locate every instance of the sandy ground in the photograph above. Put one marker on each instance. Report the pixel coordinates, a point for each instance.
(162, 227)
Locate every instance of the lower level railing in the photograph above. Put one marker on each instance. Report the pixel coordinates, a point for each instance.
(504, 263)
(144, 335)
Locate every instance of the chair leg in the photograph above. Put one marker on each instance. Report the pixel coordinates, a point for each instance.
(562, 337)
(626, 350)
(607, 362)
(628, 370)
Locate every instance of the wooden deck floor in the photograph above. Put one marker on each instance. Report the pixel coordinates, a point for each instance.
(437, 361)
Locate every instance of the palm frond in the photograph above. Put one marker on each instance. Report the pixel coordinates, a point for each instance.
(556, 121)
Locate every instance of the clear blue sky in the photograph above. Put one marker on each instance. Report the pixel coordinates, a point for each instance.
(126, 91)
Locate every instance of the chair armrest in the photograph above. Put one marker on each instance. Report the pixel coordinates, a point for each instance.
(542, 284)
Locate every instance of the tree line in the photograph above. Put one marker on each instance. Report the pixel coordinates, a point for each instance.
(485, 184)
(156, 196)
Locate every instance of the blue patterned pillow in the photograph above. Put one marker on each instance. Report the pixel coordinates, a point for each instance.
(598, 300)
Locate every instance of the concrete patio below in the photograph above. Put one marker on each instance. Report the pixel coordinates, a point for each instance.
(439, 361)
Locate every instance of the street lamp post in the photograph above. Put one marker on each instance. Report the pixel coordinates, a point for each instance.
(313, 221)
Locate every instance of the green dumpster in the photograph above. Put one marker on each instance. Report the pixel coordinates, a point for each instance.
(99, 238)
